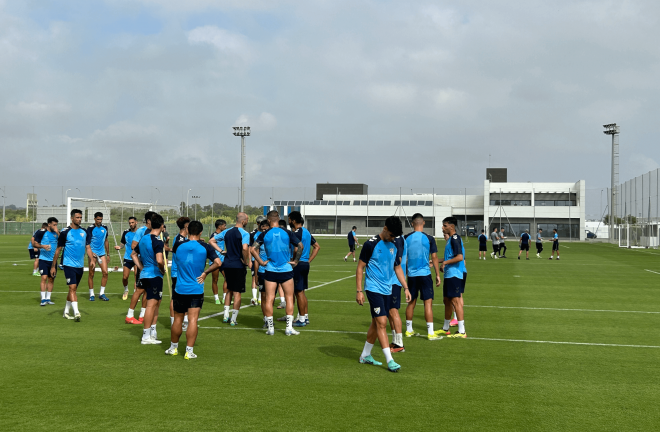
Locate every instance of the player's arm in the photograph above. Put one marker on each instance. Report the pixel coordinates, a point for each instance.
(213, 267)
(436, 266)
(254, 250)
(359, 274)
(457, 258)
(315, 250)
(117, 247)
(214, 244)
(402, 280)
(298, 254)
(246, 254)
(161, 262)
(107, 247)
(136, 259)
(53, 268)
(36, 242)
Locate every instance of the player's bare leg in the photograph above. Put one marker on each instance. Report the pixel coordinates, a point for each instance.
(267, 305)
(301, 299)
(150, 319)
(410, 309)
(288, 289)
(35, 266)
(282, 297)
(103, 263)
(214, 286)
(72, 302)
(90, 277)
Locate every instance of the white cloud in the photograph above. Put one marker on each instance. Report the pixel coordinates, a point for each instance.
(221, 39)
(37, 108)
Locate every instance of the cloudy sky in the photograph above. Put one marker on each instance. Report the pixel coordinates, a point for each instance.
(415, 94)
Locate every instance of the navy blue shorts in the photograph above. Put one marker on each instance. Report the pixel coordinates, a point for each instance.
(464, 282)
(173, 283)
(524, 246)
(483, 247)
(73, 275)
(235, 278)
(422, 286)
(277, 277)
(555, 246)
(153, 288)
(44, 267)
(260, 282)
(128, 263)
(452, 287)
(351, 247)
(99, 255)
(34, 253)
(301, 276)
(379, 304)
(182, 302)
(539, 247)
(395, 297)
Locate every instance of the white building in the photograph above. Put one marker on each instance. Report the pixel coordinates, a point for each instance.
(512, 206)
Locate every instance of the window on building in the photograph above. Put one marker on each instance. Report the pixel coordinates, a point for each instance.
(364, 203)
(379, 203)
(298, 203)
(428, 203)
(387, 203)
(372, 203)
(317, 202)
(375, 222)
(405, 203)
(397, 203)
(347, 203)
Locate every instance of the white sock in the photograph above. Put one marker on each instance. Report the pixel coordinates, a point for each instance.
(174, 345)
(289, 322)
(409, 328)
(125, 288)
(234, 314)
(189, 350)
(48, 293)
(254, 293)
(353, 259)
(282, 300)
(102, 291)
(216, 296)
(461, 326)
(388, 354)
(226, 312)
(185, 318)
(429, 327)
(366, 351)
(74, 305)
(398, 339)
(453, 316)
(269, 321)
(91, 293)
(43, 295)
(146, 334)
(131, 313)
(153, 331)
(142, 312)
(445, 327)
(259, 296)
(67, 307)
(171, 320)
(346, 257)
(393, 336)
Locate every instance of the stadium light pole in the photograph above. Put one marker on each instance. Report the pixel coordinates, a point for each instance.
(242, 131)
(158, 198)
(614, 130)
(187, 195)
(4, 224)
(195, 198)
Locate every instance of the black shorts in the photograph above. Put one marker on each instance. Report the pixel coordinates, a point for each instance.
(524, 246)
(73, 275)
(301, 276)
(278, 277)
(235, 278)
(379, 304)
(173, 283)
(128, 263)
(395, 297)
(153, 288)
(44, 267)
(261, 282)
(34, 253)
(421, 286)
(496, 248)
(483, 247)
(555, 246)
(452, 287)
(539, 247)
(182, 302)
(351, 247)
(464, 282)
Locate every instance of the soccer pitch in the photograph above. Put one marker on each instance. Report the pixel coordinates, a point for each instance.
(568, 345)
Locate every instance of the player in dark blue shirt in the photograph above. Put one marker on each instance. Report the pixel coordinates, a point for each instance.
(34, 252)
(128, 264)
(278, 268)
(381, 260)
(301, 271)
(220, 226)
(237, 257)
(253, 264)
(352, 243)
(73, 240)
(555, 243)
(45, 241)
(483, 245)
(99, 249)
(150, 260)
(454, 285)
(524, 241)
(139, 291)
(182, 223)
(190, 256)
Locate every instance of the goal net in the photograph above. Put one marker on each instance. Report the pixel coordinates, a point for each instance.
(624, 236)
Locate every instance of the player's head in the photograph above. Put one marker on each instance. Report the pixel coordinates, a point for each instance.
(147, 218)
(98, 218)
(501, 229)
(195, 228)
(354, 228)
(296, 217)
(540, 230)
(273, 216)
(182, 222)
(554, 230)
(51, 223)
(220, 223)
(242, 219)
(417, 220)
(527, 231)
(282, 224)
(76, 216)
(449, 225)
(392, 228)
(260, 219)
(264, 225)
(157, 221)
(44, 225)
(482, 231)
(445, 235)
(495, 229)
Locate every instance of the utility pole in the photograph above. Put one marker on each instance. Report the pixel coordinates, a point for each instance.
(614, 130)
(242, 131)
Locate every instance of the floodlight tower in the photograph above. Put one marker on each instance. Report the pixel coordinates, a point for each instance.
(242, 131)
(614, 130)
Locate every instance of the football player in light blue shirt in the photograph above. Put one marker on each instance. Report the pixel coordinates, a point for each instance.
(182, 223)
(555, 243)
(264, 225)
(149, 258)
(301, 271)
(220, 226)
(99, 248)
(453, 284)
(380, 259)
(278, 268)
(73, 239)
(34, 252)
(139, 233)
(128, 264)
(45, 241)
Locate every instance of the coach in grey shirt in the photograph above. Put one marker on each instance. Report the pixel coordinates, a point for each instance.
(496, 243)
(502, 247)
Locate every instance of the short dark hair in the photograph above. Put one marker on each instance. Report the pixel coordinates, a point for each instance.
(52, 219)
(354, 227)
(157, 221)
(417, 218)
(44, 225)
(98, 214)
(264, 222)
(132, 217)
(540, 229)
(148, 215)
(296, 217)
(554, 229)
(393, 225)
(220, 222)
(482, 231)
(76, 211)
(451, 220)
(273, 215)
(282, 224)
(194, 227)
(182, 221)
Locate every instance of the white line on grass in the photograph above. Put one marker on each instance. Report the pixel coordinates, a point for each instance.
(244, 306)
(9, 262)
(472, 338)
(651, 271)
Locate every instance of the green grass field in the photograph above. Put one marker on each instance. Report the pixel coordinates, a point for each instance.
(568, 345)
